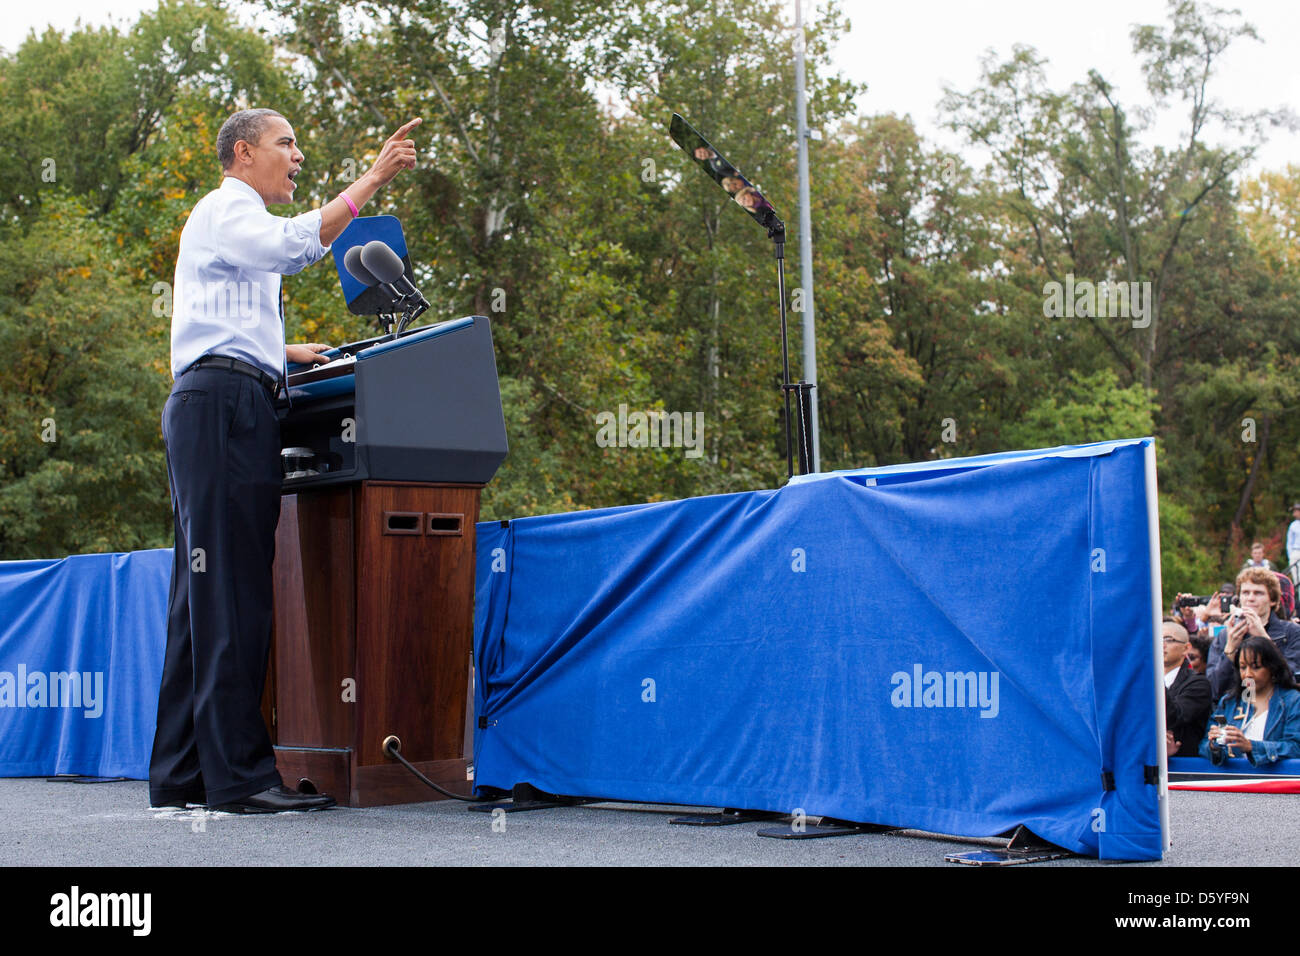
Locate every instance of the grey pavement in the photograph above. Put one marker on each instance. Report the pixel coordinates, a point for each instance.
(111, 824)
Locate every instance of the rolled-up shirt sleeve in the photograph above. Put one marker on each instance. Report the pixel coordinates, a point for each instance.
(249, 237)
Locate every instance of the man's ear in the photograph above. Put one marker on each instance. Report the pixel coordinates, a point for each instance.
(243, 153)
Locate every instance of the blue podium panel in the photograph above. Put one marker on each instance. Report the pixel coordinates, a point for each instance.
(81, 652)
(961, 651)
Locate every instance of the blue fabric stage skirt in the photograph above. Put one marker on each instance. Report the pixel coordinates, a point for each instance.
(957, 646)
(81, 651)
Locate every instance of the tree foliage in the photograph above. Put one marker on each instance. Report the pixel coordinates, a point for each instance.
(550, 198)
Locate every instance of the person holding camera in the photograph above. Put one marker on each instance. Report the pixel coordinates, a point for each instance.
(1259, 594)
(1200, 613)
(1259, 717)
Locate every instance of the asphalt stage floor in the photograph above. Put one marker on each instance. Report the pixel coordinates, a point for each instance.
(111, 824)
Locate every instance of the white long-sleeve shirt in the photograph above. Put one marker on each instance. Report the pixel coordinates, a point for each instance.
(1293, 542)
(226, 298)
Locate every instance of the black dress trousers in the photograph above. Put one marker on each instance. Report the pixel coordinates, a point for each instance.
(223, 462)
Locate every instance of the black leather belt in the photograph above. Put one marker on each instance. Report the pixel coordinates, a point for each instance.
(235, 365)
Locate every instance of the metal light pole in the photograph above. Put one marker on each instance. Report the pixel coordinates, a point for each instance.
(805, 236)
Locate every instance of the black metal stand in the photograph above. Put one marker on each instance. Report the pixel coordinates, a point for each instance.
(411, 309)
(1023, 847)
(728, 817)
(776, 233)
(751, 199)
(822, 827)
(413, 306)
(524, 797)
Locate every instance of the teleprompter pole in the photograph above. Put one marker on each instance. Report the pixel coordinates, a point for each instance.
(777, 234)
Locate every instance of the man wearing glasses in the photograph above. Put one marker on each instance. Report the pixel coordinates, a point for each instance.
(1187, 694)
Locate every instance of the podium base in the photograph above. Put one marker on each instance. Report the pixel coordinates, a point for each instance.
(334, 771)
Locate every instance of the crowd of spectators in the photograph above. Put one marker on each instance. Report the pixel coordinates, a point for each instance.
(1231, 663)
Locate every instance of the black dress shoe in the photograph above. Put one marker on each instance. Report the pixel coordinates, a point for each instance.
(278, 800)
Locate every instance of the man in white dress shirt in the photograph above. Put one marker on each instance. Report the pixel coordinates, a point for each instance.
(1293, 542)
(223, 460)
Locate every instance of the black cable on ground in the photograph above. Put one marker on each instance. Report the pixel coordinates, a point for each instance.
(392, 751)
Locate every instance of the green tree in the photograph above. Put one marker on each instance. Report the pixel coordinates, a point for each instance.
(1087, 408)
(126, 120)
(81, 461)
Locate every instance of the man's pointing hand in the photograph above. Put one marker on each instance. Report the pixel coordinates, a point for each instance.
(398, 153)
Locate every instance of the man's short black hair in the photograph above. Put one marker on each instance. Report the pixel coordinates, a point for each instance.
(246, 125)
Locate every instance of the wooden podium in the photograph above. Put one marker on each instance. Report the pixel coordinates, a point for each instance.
(387, 448)
(374, 603)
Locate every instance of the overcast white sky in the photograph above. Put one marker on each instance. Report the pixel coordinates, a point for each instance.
(906, 52)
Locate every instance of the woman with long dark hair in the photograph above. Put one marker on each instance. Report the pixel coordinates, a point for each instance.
(1198, 653)
(1261, 709)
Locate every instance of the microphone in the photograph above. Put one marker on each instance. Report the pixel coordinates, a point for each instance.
(352, 262)
(386, 266)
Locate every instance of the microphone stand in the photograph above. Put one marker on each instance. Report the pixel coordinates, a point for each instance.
(776, 232)
(412, 311)
(411, 306)
(736, 186)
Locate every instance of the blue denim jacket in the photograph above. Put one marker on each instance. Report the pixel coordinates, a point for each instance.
(1281, 730)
